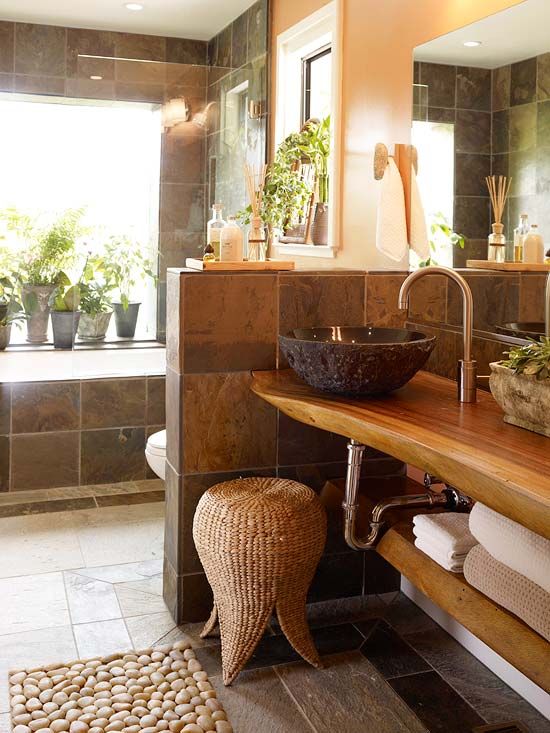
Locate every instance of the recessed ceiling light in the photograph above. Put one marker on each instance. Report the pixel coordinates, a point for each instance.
(133, 6)
(472, 44)
(95, 77)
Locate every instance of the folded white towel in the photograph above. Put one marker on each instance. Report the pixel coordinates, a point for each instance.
(512, 544)
(439, 547)
(419, 230)
(449, 530)
(391, 223)
(455, 565)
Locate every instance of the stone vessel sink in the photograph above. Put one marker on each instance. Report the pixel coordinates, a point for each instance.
(363, 361)
(522, 330)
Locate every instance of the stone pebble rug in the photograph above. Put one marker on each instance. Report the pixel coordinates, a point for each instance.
(149, 691)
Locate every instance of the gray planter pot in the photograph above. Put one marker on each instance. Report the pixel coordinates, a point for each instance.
(36, 302)
(5, 334)
(524, 399)
(319, 228)
(126, 320)
(94, 327)
(65, 325)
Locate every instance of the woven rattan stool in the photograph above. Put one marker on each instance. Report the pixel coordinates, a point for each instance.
(259, 540)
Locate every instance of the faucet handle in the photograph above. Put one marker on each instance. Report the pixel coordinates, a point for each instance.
(467, 381)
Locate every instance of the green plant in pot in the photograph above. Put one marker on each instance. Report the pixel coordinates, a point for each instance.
(42, 263)
(11, 308)
(521, 386)
(64, 304)
(95, 302)
(125, 265)
(315, 146)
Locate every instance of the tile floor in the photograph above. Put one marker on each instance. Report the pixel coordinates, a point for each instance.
(86, 582)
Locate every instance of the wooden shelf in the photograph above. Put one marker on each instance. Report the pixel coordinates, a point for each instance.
(244, 266)
(507, 266)
(503, 632)
(466, 445)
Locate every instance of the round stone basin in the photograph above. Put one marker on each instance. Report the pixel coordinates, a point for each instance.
(363, 361)
(528, 330)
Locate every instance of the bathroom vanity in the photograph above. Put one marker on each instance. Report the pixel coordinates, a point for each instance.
(465, 445)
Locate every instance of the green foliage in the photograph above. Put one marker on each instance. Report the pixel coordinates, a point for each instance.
(441, 234)
(124, 265)
(315, 145)
(532, 360)
(11, 307)
(52, 249)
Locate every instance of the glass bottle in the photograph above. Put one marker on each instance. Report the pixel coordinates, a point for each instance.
(257, 245)
(533, 247)
(213, 229)
(231, 242)
(520, 232)
(209, 255)
(497, 244)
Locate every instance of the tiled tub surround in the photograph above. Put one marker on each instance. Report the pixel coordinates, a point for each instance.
(501, 121)
(77, 433)
(222, 327)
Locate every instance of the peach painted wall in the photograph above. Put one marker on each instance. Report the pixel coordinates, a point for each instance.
(378, 41)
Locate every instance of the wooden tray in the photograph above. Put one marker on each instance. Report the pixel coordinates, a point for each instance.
(272, 265)
(507, 266)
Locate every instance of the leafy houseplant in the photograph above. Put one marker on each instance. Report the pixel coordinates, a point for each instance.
(441, 235)
(64, 303)
(315, 146)
(95, 302)
(42, 264)
(521, 386)
(125, 265)
(11, 308)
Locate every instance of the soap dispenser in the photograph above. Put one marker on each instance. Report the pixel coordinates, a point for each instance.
(533, 247)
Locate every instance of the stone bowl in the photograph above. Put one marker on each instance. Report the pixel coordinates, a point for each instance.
(362, 361)
(524, 399)
(528, 330)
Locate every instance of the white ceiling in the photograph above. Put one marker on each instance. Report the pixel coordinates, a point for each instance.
(518, 33)
(200, 19)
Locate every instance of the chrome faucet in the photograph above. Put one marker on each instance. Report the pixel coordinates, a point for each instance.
(547, 308)
(467, 366)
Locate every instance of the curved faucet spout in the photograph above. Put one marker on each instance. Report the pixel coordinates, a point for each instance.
(466, 366)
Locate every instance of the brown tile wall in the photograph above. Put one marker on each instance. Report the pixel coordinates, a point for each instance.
(39, 59)
(57, 434)
(219, 430)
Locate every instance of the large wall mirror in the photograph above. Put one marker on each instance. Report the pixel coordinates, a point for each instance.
(481, 107)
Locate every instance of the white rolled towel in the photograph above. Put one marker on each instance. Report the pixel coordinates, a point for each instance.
(454, 563)
(512, 544)
(419, 229)
(391, 222)
(449, 531)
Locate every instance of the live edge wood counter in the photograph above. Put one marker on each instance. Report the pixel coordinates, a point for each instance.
(466, 445)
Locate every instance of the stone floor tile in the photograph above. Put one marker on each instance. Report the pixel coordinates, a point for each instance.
(31, 602)
(122, 573)
(150, 629)
(347, 695)
(90, 599)
(30, 648)
(258, 701)
(136, 603)
(101, 638)
(38, 544)
(392, 656)
(435, 702)
(152, 585)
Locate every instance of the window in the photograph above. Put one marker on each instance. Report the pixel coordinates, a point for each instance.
(62, 154)
(317, 84)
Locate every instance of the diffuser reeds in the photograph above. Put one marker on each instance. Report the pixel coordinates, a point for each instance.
(255, 182)
(499, 188)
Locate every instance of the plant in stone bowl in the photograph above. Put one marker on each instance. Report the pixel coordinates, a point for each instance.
(521, 386)
(95, 302)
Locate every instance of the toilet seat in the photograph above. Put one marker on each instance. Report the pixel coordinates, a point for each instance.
(155, 453)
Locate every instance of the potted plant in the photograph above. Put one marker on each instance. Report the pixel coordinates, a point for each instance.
(64, 304)
(441, 236)
(95, 303)
(315, 146)
(521, 386)
(125, 264)
(42, 266)
(11, 308)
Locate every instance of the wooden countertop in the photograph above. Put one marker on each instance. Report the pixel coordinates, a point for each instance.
(468, 446)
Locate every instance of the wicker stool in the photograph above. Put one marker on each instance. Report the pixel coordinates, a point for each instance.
(259, 540)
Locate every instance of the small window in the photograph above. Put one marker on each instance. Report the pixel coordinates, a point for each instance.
(317, 84)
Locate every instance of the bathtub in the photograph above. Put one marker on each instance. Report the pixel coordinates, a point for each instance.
(44, 365)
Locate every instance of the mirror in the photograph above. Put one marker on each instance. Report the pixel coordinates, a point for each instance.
(481, 107)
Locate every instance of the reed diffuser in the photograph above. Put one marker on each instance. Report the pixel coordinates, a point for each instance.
(499, 188)
(257, 240)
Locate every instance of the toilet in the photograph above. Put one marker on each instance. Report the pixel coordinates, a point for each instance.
(155, 452)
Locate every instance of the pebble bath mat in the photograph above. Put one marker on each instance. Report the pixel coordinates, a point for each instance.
(148, 691)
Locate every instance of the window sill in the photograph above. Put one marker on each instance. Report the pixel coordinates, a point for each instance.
(307, 250)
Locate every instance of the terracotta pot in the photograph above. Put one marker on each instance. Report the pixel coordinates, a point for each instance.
(524, 398)
(94, 327)
(319, 228)
(36, 303)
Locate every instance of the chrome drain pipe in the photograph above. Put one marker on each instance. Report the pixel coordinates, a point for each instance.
(449, 498)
